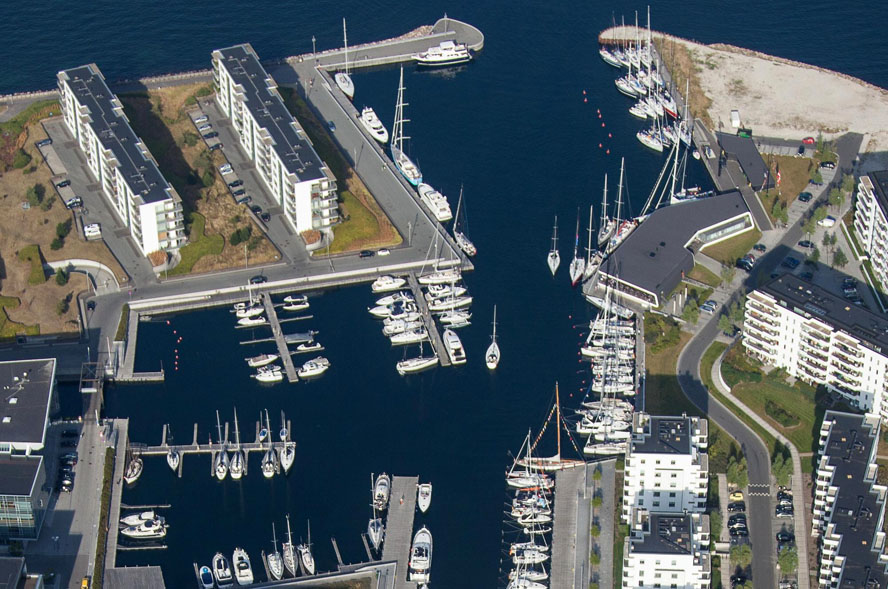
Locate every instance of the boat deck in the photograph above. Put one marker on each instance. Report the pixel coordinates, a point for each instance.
(428, 320)
(279, 339)
(399, 527)
(570, 528)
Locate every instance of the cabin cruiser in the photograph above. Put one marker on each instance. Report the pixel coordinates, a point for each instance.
(373, 125)
(309, 347)
(436, 202)
(417, 364)
(454, 347)
(381, 491)
(252, 321)
(243, 572)
(449, 304)
(269, 374)
(296, 299)
(147, 530)
(261, 360)
(445, 53)
(414, 336)
(424, 496)
(206, 577)
(136, 519)
(222, 570)
(387, 283)
(455, 318)
(397, 297)
(315, 367)
(420, 563)
(397, 326)
(440, 291)
(296, 305)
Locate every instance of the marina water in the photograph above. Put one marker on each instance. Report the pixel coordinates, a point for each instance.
(513, 128)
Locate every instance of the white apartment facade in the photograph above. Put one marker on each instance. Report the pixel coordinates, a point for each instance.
(820, 338)
(849, 505)
(667, 550)
(128, 175)
(290, 168)
(667, 467)
(871, 221)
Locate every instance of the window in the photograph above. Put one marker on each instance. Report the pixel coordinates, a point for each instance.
(672, 494)
(656, 493)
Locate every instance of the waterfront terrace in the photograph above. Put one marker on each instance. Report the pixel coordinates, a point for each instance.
(122, 165)
(820, 338)
(655, 257)
(849, 506)
(286, 160)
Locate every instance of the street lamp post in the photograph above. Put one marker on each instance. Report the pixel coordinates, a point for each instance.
(314, 52)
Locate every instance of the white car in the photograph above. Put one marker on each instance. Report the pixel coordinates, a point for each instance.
(205, 127)
(383, 252)
(829, 221)
(200, 119)
(92, 230)
(226, 169)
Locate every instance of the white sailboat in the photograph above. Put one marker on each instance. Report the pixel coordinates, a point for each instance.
(416, 364)
(405, 165)
(375, 527)
(459, 235)
(308, 562)
(236, 465)
(607, 226)
(492, 357)
(287, 452)
(594, 258)
(261, 360)
(220, 465)
(577, 265)
(288, 551)
(173, 457)
(373, 125)
(274, 559)
(269, 460)
(554, 259)
(343, 79)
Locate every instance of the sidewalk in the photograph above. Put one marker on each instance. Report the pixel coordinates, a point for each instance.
(798, 502)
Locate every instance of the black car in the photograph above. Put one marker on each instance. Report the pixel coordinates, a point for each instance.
(64, 183)
(805, 196)
(258, 279)
(91, 305)
(236, 183)
(760, 247)
(367, 254)
(239, 192)
(216, 146)
(69, 444)
(44, 142)
(737, 521)
(736, 506)
(211, 135)
(745, 264)
(849, 283)
(265, 217)
(784, 496)
(783, 537)
(828, 165)
(246, 199)
(69, 457)
(806, 276)
(256, 209)
(738, 532)
(806, 244)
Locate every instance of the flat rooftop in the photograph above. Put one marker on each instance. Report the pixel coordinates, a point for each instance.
(18, 474)
(668, 534)
(27, 387)
(743, 149)
(115, 133)
(666, 435)
(856, 511)
(267, 108)
(11, 570)
(655, 255)
(805, 298)
(138, 577)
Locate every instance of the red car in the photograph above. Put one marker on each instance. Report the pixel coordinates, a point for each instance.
(808, 141)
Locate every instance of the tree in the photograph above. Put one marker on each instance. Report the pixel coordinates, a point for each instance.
(595, 530)
(63, 229)
(56, 244)
(836, 197)
(738, 310)
(741, 555)
(596, 474)
(833, 240)
(781, 466)
(736, 472)
(819, 214)
(839, 258)
(817, 177)
(814, 256)
(725, 324)
(788, 559)
(62, 306)
(727, 274)
(848, 182)
(240, 235)
(61, 277)
(715, 523)
(779, 212)
(821, 145)
(35, 195)
(691, 312)
(810, 226)
(596, 501)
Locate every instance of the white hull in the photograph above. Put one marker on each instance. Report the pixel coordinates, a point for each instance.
(263, 360)
(441, 305)
(222, 570)
(345, 83)
(405, 165)
(412, 365)
(295, 306)
(436, 202)
(149, 530)
(454, 347)
(492, 357)
(447, 276)
(455, 318)
(296, 299)
(387, 284)
(576, 270)
(398, 297)
(420, 564)
(373, 125)
(424, 496)
(444, 54)
(307, 559)
(243, 572)
(375, 532)
(554, 260)
(287, 456)
(381, 491)
(464, 243)
(252, 321)
(409, 337)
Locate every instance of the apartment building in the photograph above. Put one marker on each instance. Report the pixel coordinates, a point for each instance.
(667, 550)
(849, 505)
(667, 467)
(122, 165)
(871, 221)
(297, 178)
(820, 338)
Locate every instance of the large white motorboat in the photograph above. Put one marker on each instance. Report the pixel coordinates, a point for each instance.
(445, 276)
(376, 532)
(296, 299)
(492, 357)
(454, 347)
(243, 572)
(414, 336)
(152, 529)
(459, 229)
(405, 165)
(577, 265)
(343, 79)
(445, 53)
(274, 559)
(252, 321)
(417, 364)
(398, 297)
(373, 125)
(295, 306)
(382, 489)
(392, 310)
(455, 318)
(315, 367)
(554, 258)
(222, 570)
(242, 310)
(387, 283)
(206, 577)
(436, 202)
(529, 556)
(261, 360)
(133, 470)
(271, 373)
(420, 563)
(288, 551)
(397, 326)
(424, 496)
(439, 291)
(135, 519)
(309, 347)
(449, 304)
(529, 574)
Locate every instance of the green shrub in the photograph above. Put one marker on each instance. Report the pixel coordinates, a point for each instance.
(61, 277)
(35, 195)
(63, 229)
(62, 306)
(190, 139)
(208, 177)
(21, 159)
(240, 235)
(56, 244)
(595, 530)
(779, 414)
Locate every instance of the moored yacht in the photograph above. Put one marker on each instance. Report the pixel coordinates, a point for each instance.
(454, 347)
(242, 310)
(173, 457)
(405, 165)
(135, 519)
(554, 258)
(445, 53)
(455, 318)
(449, 304)
(373, 125)
(492, 357)
(296, 306)
(261, 360)
(133, 470)
(424, 496)
(315, 367)
(243, 572)
(381, 491)
(417, 364)
(398, 297)
(288, 551)
(343, 79)
(206, 577)
(376, 532)
(445, 276)
(271, 373)
(152, 529)
(413, 336)
(308, 562)
(439, 291)
(387, 283)
(436, 202)
(296, 299)
(222, 570)
(252, 321)
(420, 564)
(274, 559)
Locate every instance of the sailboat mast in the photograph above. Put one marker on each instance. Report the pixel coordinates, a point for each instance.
(558, 418)
(620, 191)
(494, 323)
(345, 43)
(604, 205)
(589, 242)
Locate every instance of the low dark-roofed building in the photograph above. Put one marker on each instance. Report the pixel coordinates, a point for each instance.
(143, 577)
(27, 387)
(743, 150)
(12, 569)
(849, 504)
(24, 497)
(655, 257)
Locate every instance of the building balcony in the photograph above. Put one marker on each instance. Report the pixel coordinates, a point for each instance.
(761, 308)
(758, 347)
(324, 204)
(751, 330)
(761, 326)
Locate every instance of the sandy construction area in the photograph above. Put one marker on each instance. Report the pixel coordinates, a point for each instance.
(781, 98)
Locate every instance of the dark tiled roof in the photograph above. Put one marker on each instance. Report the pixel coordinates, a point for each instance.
(18, 473)
(743, 149)
(668, 435)
(26, 394)
(11, 570)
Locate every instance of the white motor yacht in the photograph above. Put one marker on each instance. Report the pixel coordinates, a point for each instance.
(440, 291)
(397, 297)
(450, 303)
(135, 519)
(373, 125)
(414, 336)
(424, 496)
(436, 202)
(252, 321)
(222, 570)
(445, 53)
(400, 326)
(420, 564)
(261, 360)
(309, 347)
(296, 299)
(206, 577)
(446, 276)
(243, 572)
(315, 367)
(147, 530)
(387, 283)
(296, 306)
(454, 347)
(269, 374)
(381, 492)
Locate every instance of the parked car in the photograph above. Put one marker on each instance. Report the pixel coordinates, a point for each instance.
(807, 244)
(828, 165)
(44, 142)
(736, 496)
(246, 199)
(66, 486)
(737, 517)
(239, 192)
(259, 279)
(783, 511)
(211, 135)
(200, 119)
(829, 221)
(383, 252)
(225, 169)
(737, 532)
(808, 141)
(256, 209)
(805, 196)
(92, 230)
(68, 444)
(331, 125)
(70, 456)
(783, 537)
(64, 183)
(806, 276)
(216, 146)
(736, 506)
(236, 183)
(91, 305)
(760, 247)
(205, 127)
(366, 254)
(73, 203)
(265, 217)
(849, 282)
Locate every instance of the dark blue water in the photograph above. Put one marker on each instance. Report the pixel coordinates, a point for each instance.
(512, 127)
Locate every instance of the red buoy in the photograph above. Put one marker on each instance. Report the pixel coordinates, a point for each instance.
(584, 92)
(585, 100)
(602, 124)
(599, 146)
(607, 152)
(609, 136)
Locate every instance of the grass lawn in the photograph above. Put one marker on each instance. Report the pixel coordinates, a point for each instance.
(123, 324)
(360, 228)
(730, 250)
(8, 328)
(32, 254)
(705, 275)
(200, 244)
(12, 131)
(663, 394)
(795, 172)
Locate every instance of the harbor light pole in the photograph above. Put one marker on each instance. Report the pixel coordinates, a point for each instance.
(314, 52)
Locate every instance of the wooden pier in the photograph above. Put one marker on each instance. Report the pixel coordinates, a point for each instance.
(399, 527)
(428, 320)
(283, 350)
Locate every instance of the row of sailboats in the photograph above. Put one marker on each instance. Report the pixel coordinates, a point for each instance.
(231, 460)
